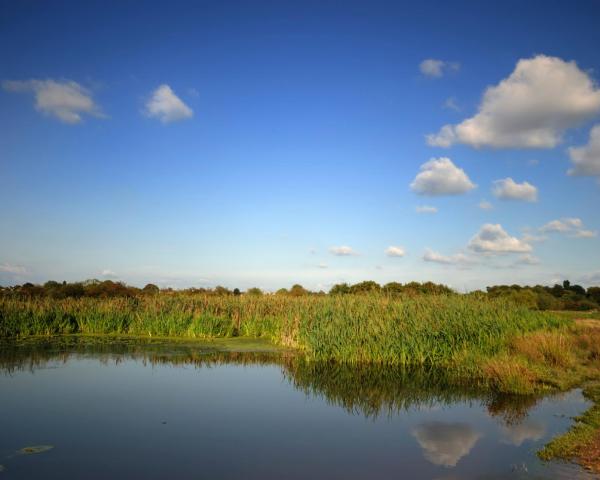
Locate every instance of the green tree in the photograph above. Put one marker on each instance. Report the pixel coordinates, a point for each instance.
(298, 291)
(151, 289)
(340, 289)
(367, 286)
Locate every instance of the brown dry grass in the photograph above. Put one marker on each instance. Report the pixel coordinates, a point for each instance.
(508, 374)
(554, 349)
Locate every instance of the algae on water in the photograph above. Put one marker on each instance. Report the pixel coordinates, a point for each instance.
(35, 449)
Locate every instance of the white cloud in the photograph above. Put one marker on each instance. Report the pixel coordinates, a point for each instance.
(508, 189)
(439, 176)
(14, 269)
(586, 159)
(322, 265)
(437, 68)
(527, 259)
(531, 108)
(108, 273)
(585, 234)
(456, 259)
(66, 100)
(572, 226)
(529, 238)
(166, 106)
(426, 209)
(493, 239)
(562, 226)
(394, 251)
(342, 251)
(485, 205)
(445, 443)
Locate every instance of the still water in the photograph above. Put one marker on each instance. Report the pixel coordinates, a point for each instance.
(129, 409)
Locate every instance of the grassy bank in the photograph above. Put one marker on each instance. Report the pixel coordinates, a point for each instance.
(582, 442)
(420, 330)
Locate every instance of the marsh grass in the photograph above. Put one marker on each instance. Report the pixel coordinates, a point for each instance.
(374, 328)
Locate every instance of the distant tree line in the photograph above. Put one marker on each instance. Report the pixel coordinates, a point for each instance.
(558, 297)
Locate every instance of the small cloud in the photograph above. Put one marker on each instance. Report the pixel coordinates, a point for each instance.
(485, 205)
(585, 234)
(433, 68)
(166, 106)
(322, 265)
(508, 189)
(456, 259)
(572, 226)
(426, 209)
(342, 251)
(393, 251)
(451, 104)
(108, 273)
(531, 108)
(562, 226)
(439, 176)
(529, 238)
(65, 100)
(527, 259)
(586, 159)
(14, 269)
(493, 239)
(532, 162)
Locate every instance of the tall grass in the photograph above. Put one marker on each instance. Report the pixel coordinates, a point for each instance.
(420, 330)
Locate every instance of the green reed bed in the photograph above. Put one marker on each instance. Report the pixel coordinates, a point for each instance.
(428, 330)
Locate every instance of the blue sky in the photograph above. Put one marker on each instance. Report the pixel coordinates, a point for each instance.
(269, 143)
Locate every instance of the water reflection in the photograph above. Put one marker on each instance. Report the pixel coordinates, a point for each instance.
(527, 430)
(367, 390)
(418, 422)
(445, 443)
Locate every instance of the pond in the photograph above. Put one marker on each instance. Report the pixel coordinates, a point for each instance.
(122, 408)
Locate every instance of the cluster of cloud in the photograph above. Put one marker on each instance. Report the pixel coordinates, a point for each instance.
(508, 189)
(586, 159)
(531, 108)
(434, 68)
(69, 102)
(572, 226)
(439, 176)
(485, 205)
